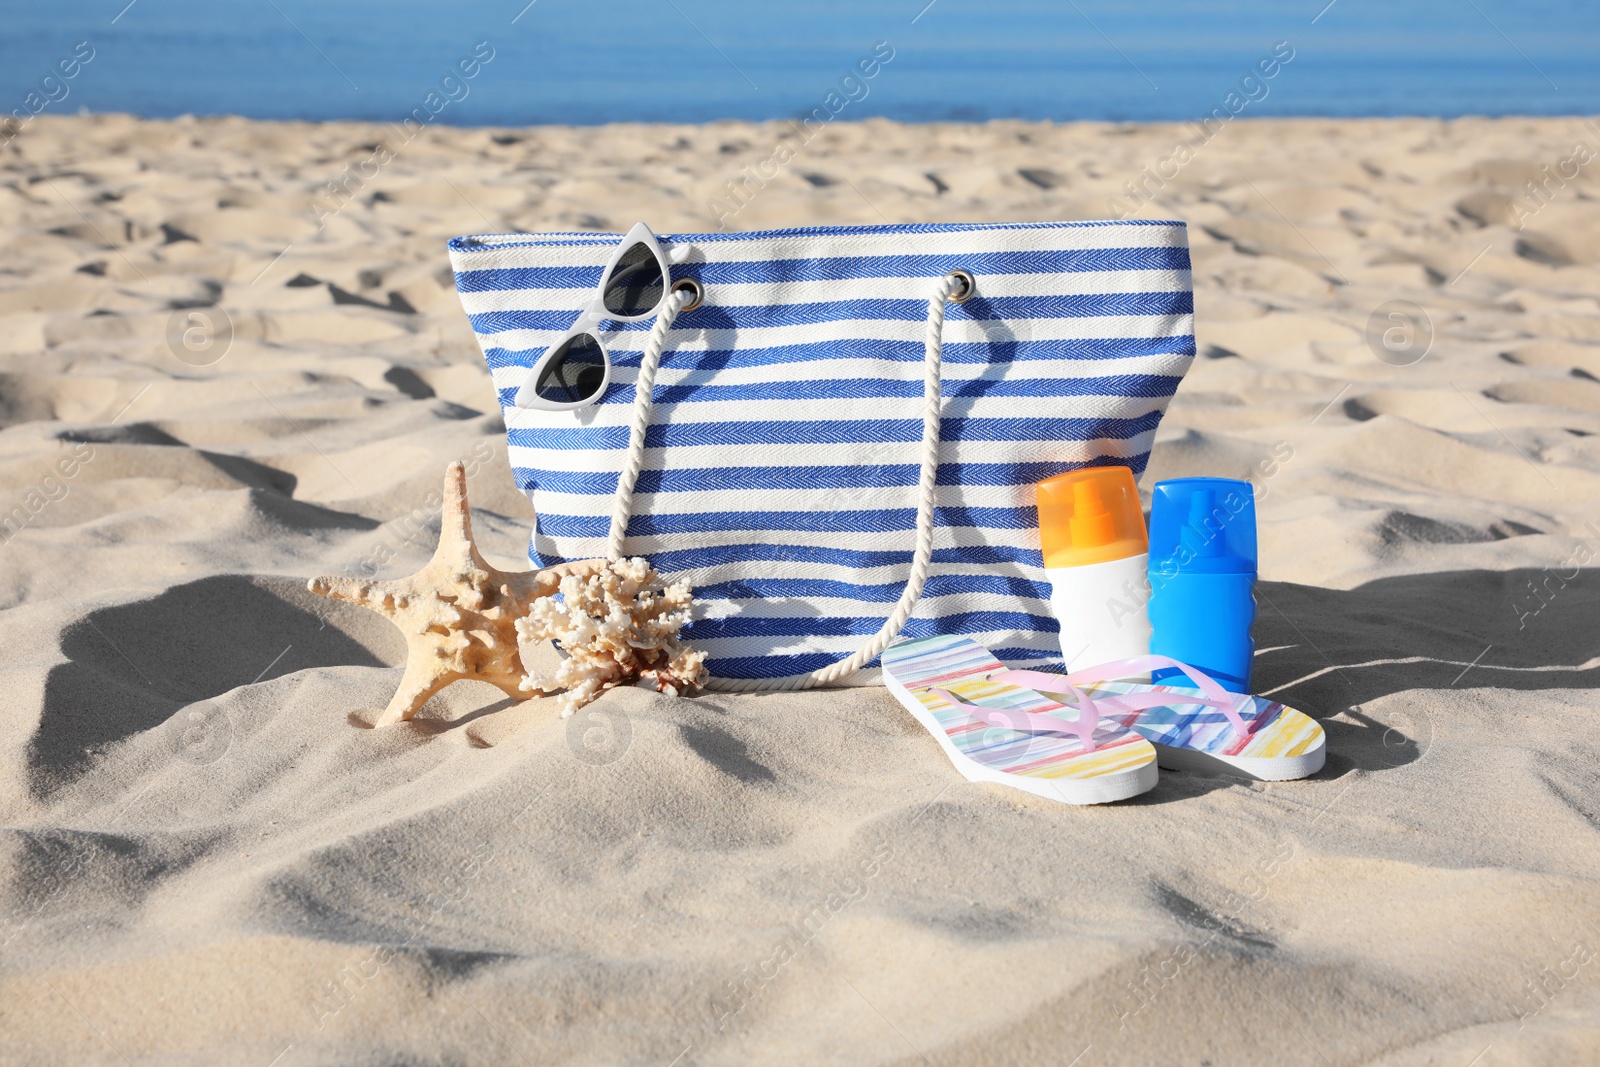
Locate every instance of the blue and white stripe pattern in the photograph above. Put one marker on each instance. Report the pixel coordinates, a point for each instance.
(781, 471)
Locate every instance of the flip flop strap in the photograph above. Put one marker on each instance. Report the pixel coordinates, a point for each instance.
(1213, 693)
(1029, 722)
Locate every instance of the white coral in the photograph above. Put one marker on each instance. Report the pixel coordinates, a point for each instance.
(615, 626)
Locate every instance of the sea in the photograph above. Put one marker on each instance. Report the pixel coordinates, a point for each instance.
(590, 62)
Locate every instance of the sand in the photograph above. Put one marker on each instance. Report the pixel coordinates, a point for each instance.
(205, 859)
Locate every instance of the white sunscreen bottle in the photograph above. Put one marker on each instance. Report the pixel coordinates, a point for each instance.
(1096, 555)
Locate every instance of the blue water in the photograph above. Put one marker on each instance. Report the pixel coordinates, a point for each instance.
(570, 61)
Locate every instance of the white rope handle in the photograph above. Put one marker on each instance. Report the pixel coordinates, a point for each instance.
(921, 557)
(643, 403)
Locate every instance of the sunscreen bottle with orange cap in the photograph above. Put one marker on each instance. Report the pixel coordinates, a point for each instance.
(1096, 556)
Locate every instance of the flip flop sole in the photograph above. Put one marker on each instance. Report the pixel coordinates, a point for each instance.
(1289, 745)
(1122, 767)
(1261, 768)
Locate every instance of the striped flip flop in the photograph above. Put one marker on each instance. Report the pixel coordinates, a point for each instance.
(1005, 734)
(1202, 727)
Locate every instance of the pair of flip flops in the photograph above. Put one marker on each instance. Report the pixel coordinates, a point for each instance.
(1011, 727)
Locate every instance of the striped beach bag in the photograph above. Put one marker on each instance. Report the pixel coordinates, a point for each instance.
(833, 433)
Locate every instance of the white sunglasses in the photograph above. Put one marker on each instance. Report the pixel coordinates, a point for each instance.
(574, 371)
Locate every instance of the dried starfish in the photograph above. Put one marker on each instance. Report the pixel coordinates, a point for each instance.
(458, 613)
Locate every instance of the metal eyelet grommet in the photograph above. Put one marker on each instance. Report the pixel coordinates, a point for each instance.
(691, 286)
(966, 286)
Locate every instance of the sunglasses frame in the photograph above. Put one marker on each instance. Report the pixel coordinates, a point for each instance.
(593, 314)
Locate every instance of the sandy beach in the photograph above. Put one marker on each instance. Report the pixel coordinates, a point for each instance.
(232, 358)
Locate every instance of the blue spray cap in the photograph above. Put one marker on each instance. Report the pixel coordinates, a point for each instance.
(1203, 526)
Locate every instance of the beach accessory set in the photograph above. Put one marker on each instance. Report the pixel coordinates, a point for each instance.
(1057, 735)
(741, 410)
(838, 445)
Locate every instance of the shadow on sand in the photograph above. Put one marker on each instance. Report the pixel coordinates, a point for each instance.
(1325, 651)
(131, 667)
(1328, 651)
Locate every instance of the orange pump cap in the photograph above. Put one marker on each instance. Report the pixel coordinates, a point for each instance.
(1090, 516)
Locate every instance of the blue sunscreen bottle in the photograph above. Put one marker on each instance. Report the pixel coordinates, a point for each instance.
(1202, 578)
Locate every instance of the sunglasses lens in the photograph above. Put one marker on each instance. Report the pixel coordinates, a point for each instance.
(574, 374)
(636, 286)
